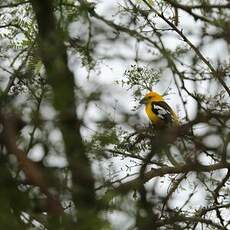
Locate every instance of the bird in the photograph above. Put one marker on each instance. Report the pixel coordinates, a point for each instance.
(158, 111)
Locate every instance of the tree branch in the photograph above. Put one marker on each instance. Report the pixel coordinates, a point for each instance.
(214, 72)
(54, 56)
(33, 174)
(183, 168)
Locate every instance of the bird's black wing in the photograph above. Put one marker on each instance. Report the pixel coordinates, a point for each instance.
(163, 111)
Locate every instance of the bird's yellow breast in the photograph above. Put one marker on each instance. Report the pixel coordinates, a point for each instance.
(152, 116)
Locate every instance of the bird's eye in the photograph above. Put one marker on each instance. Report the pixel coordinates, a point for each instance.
(149, 97)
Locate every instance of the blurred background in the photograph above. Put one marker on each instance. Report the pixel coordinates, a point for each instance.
(76, 146)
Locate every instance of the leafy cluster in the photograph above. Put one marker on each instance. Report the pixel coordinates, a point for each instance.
(140, 79)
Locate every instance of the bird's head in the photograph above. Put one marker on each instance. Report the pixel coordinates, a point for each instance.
(150, 97)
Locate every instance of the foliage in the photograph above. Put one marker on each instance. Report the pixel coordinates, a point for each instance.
(71, 156)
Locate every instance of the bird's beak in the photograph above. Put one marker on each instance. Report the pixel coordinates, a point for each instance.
(143, 101)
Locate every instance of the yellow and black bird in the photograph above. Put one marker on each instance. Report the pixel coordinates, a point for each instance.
(158, 111)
